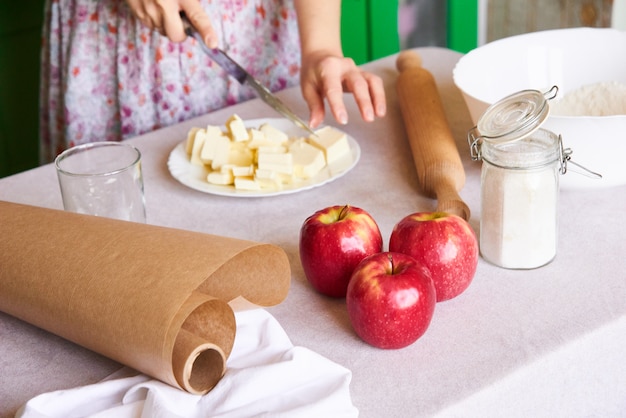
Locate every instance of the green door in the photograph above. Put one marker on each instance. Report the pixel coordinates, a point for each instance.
(369, 29)
(20, 40)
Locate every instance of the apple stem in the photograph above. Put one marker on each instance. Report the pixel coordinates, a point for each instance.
(390, 257)
(343, 210)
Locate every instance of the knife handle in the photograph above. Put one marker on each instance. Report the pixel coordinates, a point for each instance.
(217, 55)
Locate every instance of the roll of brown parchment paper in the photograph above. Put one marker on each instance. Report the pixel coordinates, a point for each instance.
(153, 298)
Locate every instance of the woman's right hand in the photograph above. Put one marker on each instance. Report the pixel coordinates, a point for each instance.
(164, 17)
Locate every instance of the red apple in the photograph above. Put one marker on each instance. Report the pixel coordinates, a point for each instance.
(332, 242)
(391, 300)
(446, 244)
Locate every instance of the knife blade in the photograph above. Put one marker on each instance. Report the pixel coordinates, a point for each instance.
(244, 77)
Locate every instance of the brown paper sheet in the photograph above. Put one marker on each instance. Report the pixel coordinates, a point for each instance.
(152, 298)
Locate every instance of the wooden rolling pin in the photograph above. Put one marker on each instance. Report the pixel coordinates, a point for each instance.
(439, 169)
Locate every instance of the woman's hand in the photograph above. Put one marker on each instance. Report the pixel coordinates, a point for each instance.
(164, 17)
(325, 73)
(325, 76)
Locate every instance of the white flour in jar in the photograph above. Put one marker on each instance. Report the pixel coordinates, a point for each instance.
(599, 99)
(518, 228)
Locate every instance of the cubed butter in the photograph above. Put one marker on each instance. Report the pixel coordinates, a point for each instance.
(276, 149)
(246, 183)
(221, 178)
(191, 136)
(274, 135)
(240, 156)
(237, 129)
(308, 160)
(242, 171)
(287, 179)
(212, 135)
(269, 179)
(264, 157)
(196, 149)
(269, 184)
(333, 142)
(257, 138)
(263, 173)
(226, 168)
(221, 152)
(279, 162)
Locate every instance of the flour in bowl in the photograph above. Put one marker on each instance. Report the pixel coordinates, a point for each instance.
(599, 99)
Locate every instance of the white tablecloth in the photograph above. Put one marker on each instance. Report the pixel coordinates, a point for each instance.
(545, 342)
(266, 376)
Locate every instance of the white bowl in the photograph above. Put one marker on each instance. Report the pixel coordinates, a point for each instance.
(568, 59)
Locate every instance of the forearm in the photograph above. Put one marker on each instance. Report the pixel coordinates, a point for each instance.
(325, 73)
(319, 23)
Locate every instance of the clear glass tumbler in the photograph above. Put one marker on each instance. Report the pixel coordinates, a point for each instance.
(102, 179)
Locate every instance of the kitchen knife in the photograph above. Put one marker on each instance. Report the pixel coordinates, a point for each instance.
(242, 76)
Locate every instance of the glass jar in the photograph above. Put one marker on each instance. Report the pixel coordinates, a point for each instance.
(519, 181)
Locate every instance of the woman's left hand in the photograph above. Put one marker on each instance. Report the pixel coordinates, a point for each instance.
(328, 77)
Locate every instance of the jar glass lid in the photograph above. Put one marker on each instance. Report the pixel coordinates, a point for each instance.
(515, 117)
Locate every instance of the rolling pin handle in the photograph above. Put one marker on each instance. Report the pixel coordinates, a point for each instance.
(408, 59)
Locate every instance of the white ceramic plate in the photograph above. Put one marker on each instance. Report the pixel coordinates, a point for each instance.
(195, 177)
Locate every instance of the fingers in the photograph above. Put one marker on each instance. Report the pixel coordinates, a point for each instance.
(356, 83)
(368, 92)
(377, 93)
(172, 24)
(147, 12)
(315, 102)
(336, 76)
(200, 21)
(164, 17)
(332, 89)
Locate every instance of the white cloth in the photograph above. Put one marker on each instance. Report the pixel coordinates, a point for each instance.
(266, 376)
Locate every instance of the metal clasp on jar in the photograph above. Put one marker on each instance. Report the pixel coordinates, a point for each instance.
(565, 157)
(551, 93)
(474, 139)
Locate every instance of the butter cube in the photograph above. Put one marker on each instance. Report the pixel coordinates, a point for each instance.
(240, 156)
(276, 149)
(257, 138)
(242, 171)
(221, 152)
(221, 178)
(265, 174)
(308, 160)
(268, 179)
(196, 148)
(287, 178)
(226, 168)
(279, 162)
(333, 142)
(274, 135)
(237, 129)
(269, 184)
(191, 135)
(246, 183)
(212, 135)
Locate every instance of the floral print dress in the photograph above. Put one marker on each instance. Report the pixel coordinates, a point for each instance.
(107, 77)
